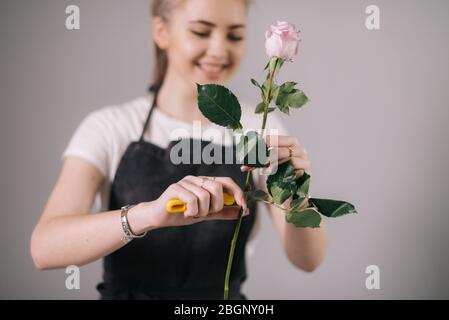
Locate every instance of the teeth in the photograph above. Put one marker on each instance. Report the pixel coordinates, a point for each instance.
(211, 68)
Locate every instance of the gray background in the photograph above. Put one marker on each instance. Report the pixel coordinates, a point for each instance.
(375, 130)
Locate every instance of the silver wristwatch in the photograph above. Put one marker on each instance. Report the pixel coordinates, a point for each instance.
(128, 235)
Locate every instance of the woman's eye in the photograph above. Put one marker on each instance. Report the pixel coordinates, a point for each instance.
(234, 38)
(201, 34)
(205, 35)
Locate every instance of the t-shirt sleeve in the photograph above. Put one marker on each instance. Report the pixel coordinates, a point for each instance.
(91, 140)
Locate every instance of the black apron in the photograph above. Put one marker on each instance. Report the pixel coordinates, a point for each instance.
(186, 262)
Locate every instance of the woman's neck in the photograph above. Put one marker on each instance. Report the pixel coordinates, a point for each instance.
(178, 99)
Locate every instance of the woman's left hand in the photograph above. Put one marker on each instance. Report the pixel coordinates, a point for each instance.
(288, 147)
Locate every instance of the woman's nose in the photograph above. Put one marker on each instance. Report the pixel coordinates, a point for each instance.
(218, 47)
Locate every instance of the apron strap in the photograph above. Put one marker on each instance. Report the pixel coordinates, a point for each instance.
(155, 89)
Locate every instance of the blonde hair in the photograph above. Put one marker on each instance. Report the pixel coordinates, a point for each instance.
(163, 9)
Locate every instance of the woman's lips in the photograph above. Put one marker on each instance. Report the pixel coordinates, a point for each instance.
(211, 71)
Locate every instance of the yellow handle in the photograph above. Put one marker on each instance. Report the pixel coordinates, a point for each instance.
(176, 205)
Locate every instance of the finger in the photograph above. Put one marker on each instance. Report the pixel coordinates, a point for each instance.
(246, 168)
(275, 159)
(201, 194)
(296, 151)
(300, 172)
(188, 197)
(301, 164)
(298, 162)
(234, 189)
(281, 141)
(193, 179)
(215, 189)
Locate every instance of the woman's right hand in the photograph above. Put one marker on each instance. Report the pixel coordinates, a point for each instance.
(204, 200)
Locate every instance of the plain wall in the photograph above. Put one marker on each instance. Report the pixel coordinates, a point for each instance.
(375, 129)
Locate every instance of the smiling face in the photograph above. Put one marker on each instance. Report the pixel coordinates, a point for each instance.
(205, 40)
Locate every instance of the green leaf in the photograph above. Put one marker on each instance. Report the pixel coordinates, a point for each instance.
(267, 65)
(256, 195)
(307, 218)
(280, 64)
(274, 92)
(303, 183)
(252, 150)
(288, 87)
(332, 208)
(265, 87)
(282, 184)
(218, 104)
(260, 108)
(275, 64)
(284, 177)
(254, 82)
(296, 203)
(297, 99)
(278, 194)
(289, 97)
(272, 63)
(285, 109)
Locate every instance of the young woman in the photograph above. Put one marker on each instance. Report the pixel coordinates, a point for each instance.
(122, 154)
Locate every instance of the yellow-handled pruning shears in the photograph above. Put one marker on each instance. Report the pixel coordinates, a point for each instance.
(176, 205)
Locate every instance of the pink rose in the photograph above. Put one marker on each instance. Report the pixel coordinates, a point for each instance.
(282, 40)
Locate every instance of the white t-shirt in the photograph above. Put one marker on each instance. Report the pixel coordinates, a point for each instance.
(104, 134)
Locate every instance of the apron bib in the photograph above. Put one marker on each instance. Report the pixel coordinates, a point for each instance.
(186, 262)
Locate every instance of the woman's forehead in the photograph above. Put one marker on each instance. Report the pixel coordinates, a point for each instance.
(213, 25)
(215, 13)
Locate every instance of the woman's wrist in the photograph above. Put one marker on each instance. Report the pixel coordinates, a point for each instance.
(138, 218)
